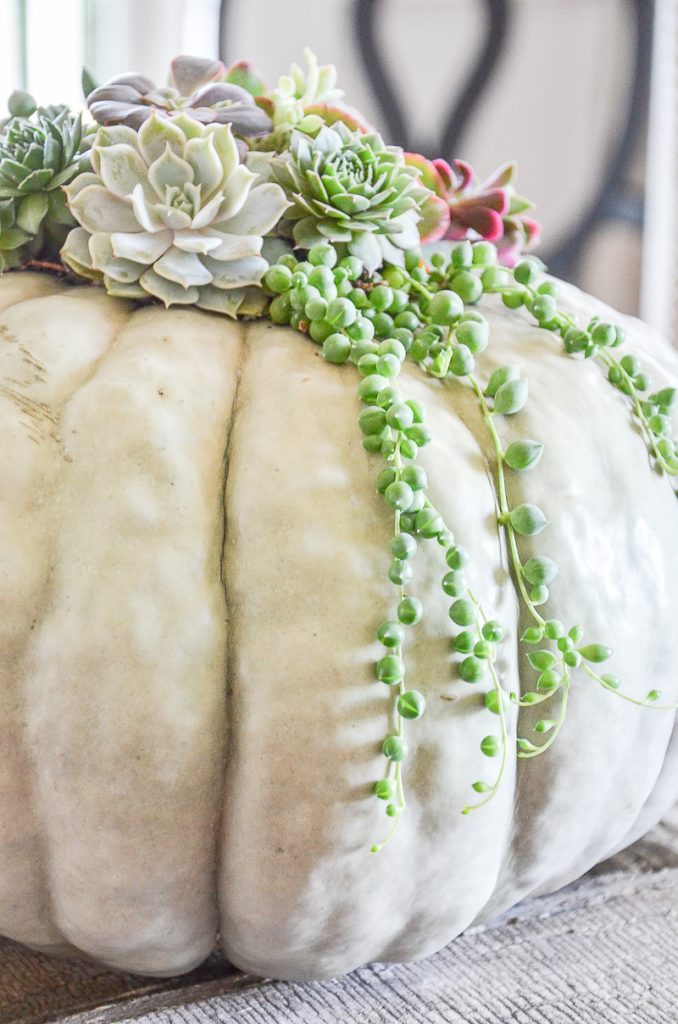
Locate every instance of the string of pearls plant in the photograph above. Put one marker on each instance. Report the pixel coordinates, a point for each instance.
(219, 192)
(427, 315)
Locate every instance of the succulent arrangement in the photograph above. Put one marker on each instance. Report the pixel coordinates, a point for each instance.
(217, 192)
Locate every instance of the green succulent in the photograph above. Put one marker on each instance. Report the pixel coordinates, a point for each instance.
(41, 149)
(348, 187)
(296, 100)
(170, 212)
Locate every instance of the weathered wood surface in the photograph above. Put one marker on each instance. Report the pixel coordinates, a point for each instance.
(603, 951)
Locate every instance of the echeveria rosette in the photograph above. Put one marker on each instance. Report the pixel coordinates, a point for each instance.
(351, 189)
(41, 149)
(170, 212)
(197, 87)
(490, 210)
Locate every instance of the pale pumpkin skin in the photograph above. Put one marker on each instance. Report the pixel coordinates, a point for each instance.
(193, 567)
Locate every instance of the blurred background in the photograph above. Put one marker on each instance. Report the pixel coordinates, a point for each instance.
(582, 93)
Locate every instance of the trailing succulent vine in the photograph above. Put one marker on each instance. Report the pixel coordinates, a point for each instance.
(219, 193)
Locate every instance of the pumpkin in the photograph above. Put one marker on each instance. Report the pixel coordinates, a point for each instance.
(193, 566)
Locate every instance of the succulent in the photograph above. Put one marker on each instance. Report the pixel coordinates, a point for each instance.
(296, 93)
(197, 88)
(491, 210)
(41, 149)
(348, 187)
(170, 212)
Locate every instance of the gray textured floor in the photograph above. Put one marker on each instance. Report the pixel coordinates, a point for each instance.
(603, 951)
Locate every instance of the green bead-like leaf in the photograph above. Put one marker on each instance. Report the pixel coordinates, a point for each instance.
(527, 519)
(500, 376)
(522, 455)
(411, 704)
(540, 570)
(511, 397)
(492, 701)
(595, 652)
(383, 789)
(490, 746)
(530, 698)
(542, 660)
(532, 635)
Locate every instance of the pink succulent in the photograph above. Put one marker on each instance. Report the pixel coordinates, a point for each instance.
(492, 210)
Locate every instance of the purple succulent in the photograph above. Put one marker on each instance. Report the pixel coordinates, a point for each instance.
(196, 87)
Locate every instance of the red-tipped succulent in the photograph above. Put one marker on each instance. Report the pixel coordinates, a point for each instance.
(491, 210)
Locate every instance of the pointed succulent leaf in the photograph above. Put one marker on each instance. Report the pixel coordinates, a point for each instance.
(219, 300)
(197, 240)
(98, 209)
(235, 193)
(234, 247)
(57, 209)
(122, 169)
(169, 171)
(366, 247)
(147, 215)
(122, 290)
(185, 268)
(167, 291)
(226, 149)
(501, 177)
(105, 260)
(141, 246)
(236, 273)
(247, 77)
(260, 212)
(156, 134)
(13, 238)
(202, 155)
(35, 181)
(435, 219)
(32, 211)
(88, 82)
(75, 253)
(189, 73)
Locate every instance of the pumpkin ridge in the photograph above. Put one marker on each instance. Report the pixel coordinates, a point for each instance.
(229, 719)
(49, 469)
(157, 645)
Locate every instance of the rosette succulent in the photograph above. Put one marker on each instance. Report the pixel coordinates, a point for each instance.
(170, 212)
(40, 150)
(303, 100)
(196, 87)
(491, 210)
(350, 188)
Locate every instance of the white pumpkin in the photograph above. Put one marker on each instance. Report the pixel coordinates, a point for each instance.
(189, 722)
